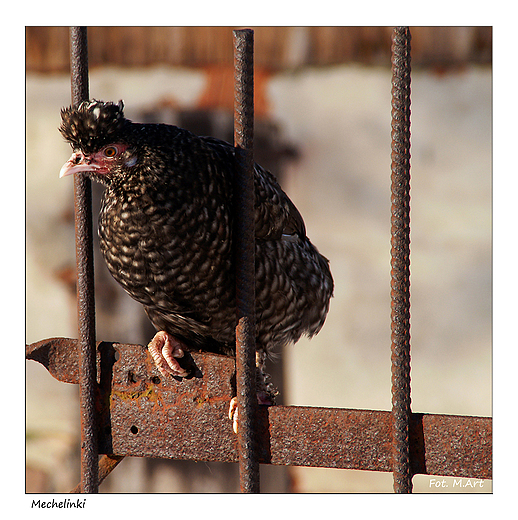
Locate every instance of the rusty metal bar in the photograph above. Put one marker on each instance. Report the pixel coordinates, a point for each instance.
(245, 259)
(142, 414)
(85, 278)
(107, 464)
(400, 260)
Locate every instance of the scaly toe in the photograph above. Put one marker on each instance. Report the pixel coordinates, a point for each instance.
(164, 348)
(233, 413)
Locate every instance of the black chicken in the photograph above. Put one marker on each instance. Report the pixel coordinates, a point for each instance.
(166, 225)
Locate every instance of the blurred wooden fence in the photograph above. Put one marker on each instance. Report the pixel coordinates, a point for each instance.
(276, 48)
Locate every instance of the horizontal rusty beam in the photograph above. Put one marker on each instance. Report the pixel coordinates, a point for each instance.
(144, 414)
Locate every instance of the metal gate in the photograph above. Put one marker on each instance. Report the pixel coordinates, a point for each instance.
(127, 410)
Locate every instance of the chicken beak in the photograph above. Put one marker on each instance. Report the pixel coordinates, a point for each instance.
(76, 164)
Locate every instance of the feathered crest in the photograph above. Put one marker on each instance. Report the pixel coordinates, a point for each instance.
(92, 124)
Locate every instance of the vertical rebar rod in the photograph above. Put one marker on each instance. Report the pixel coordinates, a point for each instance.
(85, 279)
(244, 196)
(400, 259)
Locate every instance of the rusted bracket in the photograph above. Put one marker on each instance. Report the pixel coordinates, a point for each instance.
(143, 414)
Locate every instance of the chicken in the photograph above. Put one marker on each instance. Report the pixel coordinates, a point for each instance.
(166, 233)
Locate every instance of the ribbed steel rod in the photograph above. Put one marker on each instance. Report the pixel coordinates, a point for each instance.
(244, 196)
(85, 279)
(400, 259)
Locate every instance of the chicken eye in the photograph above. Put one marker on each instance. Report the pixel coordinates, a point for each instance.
(110, 151)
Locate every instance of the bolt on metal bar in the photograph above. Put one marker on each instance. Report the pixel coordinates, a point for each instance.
(85, 279)
(400, 259)
(244, 197)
